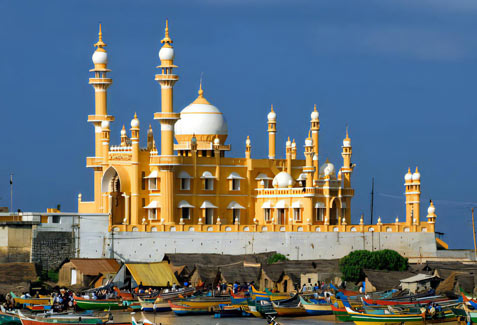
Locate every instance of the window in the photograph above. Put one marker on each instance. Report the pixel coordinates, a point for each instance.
(208, 184)
(143, 180)
(209, 216)
(297, 214)
(56, 219)
(152, 183)
(185, 184)
(319, 214)
(267, 214)
(236, 215)
(143, 202)
(235, 184)
(152, 214)
(185, 213)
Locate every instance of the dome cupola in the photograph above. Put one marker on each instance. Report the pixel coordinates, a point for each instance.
(283, 180)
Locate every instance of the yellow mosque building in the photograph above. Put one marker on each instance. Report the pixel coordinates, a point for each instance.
(187, 183)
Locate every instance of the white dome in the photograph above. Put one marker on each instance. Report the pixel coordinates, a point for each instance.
(272, 116)
(100, 57)
(315, 115)
(416, 176)
(288, 143)
(123, 132)
(408, 177)
(327, 169)
(315, 157)
(282, 180)
(308, 143)
(134, 123)
(431, 209)
(248, 142)
(105, 124)
(346, 143)
(166, 53)
(201, 119)
(216, 141)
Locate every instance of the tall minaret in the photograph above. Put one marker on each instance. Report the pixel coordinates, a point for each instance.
(309, 168)
(167, 79)
(346, 154)
(315, 129)
(135, 181)
(413, 196)
(167, 118)
(272, 133)
(100, 84)
(288, 154)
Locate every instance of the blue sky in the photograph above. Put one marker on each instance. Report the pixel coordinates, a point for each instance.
(401, 74)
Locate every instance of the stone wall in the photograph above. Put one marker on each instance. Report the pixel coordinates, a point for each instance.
(15, 243)
(51, 248)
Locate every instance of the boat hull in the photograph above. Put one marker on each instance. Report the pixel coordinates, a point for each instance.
(99, 305)
(317, 309)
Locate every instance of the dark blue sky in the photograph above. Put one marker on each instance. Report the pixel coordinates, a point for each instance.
(401, 74)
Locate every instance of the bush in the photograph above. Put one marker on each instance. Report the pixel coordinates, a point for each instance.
(276, 258)
(353, 264)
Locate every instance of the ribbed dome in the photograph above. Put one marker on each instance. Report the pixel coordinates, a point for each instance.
(201, 119)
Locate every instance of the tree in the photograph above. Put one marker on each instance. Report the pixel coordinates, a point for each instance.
(352, 265)
(276, 258)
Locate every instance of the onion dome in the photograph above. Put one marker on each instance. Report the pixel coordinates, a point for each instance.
(216, 141)
(416, 176)
(100, 56)
(308, 142)
(432, 209)
(408, 176)
(315, 115)
(272, 116)
(283, 180)
(135, 122)
(166, 53)
(201, 119)
(248, 142)
(293, 144)
(123, 131)
(288, 143)
(327, 169)
(105, 125)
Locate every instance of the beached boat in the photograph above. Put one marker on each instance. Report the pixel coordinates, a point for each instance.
(167, 294)
(206, 301)
(289, 307)
(267, 295)
(182, 309)
(261, 308)
(8, 318)
(316, 307)
(158, 305)
(99, 304)
(31, 301)
(38, 308)
(384, 318)
(410, 301)
(60, 319)
(231, 311)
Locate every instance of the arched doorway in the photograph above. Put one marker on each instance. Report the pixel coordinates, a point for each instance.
(335, 212)
(111, 185)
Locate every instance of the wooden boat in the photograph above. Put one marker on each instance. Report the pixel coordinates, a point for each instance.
(422, 300)
(231, 311)
(178, 294)
(31, 301)
(9, 318)
(66, 319)
(257, 295)
(38, 308)
(99, 304)
(157, 305)
(261, 308)
(316, 309)
(289, 307)
(206, 302)
(361, 318)
(182, 309)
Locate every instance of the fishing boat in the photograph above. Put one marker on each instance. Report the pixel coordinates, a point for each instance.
(99, 304)
(289, 307)
(38, 308)
(182, 309)
(206, 301)
(8, 318)
(158, 305)
(384, 317)
(315, 307)
(261, 308)
(167, 294)
(31, 301)
(231, 311)
(267, 295)
(67, 319)
(409, 301)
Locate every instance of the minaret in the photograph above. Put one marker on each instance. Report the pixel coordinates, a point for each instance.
(289, 155)
(309, 168)
(272, 132)
(293, 151)
(431, 216)
(150, 138)
(413, 196)
(105, 141)
(135, 181)
(248, 148)
(167, 118)
(100, 83)
(346, 154)
(315, 129)
(124, 137)
(167, 79)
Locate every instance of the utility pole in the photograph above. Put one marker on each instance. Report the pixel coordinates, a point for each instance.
(372, 201)
(473, 230)
(11, 192)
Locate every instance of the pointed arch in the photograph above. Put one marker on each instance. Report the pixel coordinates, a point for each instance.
(115, 176)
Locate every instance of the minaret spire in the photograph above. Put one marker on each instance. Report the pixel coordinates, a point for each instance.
(100, 44)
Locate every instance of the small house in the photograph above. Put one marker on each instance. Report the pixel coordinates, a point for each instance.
(419, 282)
(87, 272)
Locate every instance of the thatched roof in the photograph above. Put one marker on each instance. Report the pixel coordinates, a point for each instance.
(386, 280)
(457, 280)
(16, 277)
(241, 272)
(190, 260)
(208, 274)
(95, 266)
(294, 269)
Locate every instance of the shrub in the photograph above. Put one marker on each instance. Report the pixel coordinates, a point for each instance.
(276, 258)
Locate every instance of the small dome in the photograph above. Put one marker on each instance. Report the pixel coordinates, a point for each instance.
(217, 141)
(308, 142)
(105, 124)
(315, 157)
(346, 143)
(315, 115)
(100, 57)
(288, 143)
(283, 180)
(248, 142)
(135, 122)
(416, 176)
(408, 176)
(272, 116)
(166, 53)
(431, 210)
(123, 131)
(327, 169)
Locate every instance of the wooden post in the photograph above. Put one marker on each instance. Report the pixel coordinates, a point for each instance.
(473, 230)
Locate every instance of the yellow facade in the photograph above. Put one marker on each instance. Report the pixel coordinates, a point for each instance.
(192, 186)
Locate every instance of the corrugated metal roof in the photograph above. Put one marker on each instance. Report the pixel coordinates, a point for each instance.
(152, 274)
(417, 278)
(95, 266)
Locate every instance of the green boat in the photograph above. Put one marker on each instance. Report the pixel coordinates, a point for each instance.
(100, 304)
(8, 318)
(360, 318)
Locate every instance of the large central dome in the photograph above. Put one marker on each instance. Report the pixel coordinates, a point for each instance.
(202, 120)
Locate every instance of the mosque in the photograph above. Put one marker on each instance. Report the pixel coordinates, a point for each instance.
(187, 183)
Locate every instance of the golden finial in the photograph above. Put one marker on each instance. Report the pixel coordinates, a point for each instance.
(124, 128)
(200, 99)
(201, 91)
(166, 40)
(327, 161)
(314, 108)
(100, 44)
(135, 115)
(293, 141)
(309, 134)
(417, 171)
(409, 170)
(271, 110)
